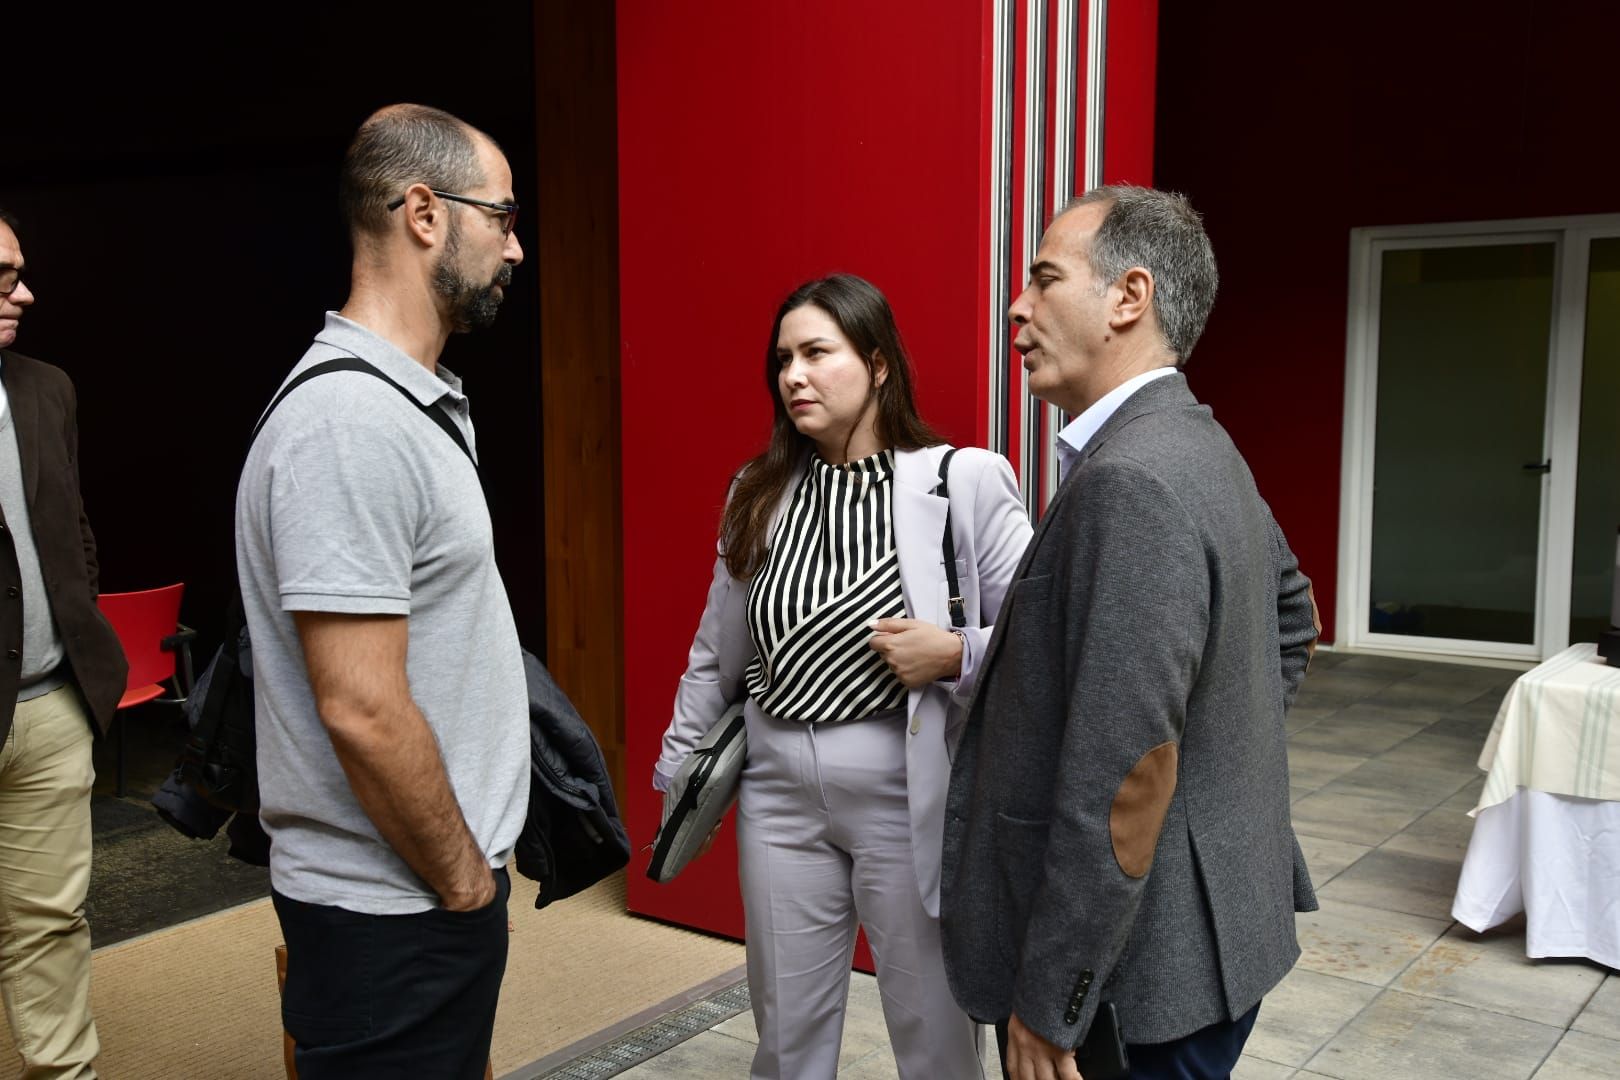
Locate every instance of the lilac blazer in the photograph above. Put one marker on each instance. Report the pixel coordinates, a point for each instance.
(991, 530)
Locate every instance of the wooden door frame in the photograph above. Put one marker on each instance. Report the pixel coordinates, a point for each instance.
(576, 116)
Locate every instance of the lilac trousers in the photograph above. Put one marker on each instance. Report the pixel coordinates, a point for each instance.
(824, 836)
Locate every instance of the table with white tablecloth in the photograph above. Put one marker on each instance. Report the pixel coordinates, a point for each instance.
(1547, 828)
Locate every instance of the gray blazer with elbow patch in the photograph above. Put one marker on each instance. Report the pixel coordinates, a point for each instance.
(1117, 825)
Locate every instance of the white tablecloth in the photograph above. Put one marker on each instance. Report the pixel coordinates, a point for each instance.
(1547, 828)
(1554, 857)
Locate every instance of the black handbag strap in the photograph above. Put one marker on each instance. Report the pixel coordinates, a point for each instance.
(958, 605)
(354, 363)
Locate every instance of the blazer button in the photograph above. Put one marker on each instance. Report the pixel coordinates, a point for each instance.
(1071, 1017)
(13, 654)
(11, 591)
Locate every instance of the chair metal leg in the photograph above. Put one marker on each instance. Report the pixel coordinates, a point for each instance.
(119, 721)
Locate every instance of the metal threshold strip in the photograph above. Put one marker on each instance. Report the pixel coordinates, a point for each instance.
(645, 1035)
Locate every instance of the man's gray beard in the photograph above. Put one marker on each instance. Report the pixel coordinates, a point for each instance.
(472, 307)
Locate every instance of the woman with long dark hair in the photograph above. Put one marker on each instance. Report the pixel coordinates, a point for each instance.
(830, 613)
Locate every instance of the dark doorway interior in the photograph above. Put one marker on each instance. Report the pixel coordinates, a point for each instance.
(176, 182)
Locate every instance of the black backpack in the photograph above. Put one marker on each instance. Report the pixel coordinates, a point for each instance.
(218, 758)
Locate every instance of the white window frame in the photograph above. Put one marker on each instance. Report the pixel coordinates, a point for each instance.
(1572, 238)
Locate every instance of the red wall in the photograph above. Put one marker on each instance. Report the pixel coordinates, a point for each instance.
(761, 145)
(1287, 131)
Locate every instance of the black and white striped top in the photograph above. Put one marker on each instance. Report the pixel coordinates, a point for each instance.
(831, 570)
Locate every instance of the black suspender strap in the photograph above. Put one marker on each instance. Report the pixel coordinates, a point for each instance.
(351, 363)
(958, 607)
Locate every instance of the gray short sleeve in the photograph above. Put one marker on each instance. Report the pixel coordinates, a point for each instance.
(345, 509)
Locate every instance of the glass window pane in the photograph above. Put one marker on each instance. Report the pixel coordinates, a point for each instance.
(1463, 335)
(1597, 481)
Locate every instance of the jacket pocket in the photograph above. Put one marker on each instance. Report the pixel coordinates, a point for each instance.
(1020, 854)
(1028, 599)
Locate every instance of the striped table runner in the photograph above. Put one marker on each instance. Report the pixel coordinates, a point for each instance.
(1558, 731)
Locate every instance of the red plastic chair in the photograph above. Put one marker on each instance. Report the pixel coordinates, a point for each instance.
(149, 629)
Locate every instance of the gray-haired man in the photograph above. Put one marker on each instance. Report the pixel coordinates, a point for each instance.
(61, 675)
(1118, 826)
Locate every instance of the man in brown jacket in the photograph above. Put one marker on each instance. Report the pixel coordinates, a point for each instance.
(61, 675)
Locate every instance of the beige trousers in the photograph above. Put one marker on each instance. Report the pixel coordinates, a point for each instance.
(45, 778)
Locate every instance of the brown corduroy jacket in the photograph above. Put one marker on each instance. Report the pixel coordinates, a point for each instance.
(43, 409)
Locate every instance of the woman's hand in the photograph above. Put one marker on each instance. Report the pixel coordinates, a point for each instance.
(917, 652)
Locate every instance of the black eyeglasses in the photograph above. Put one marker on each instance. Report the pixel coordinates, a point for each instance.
(10, 278)
(507, 210)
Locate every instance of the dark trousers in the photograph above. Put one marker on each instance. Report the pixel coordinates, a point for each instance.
(378, 997)
(1207, 1054)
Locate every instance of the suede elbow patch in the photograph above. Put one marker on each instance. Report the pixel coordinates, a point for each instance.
(1139, 807)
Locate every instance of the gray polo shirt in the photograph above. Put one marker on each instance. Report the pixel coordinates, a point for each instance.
(352, 500)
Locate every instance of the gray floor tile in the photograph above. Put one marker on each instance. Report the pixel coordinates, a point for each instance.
(1407, 1037)
(1602, 1014)
(1580, 1056)
(1402, 782)
(740, 1027)
(1467, 731)
(880, 1065)
(1363, 729)
(877, 1065)
(1361, 943)
(1310, 769)
(1490, 971)
(1294, 721)
(1302, 1013)
(1308, 714)
(1356, 819)
(1358, 674)
(1467, 796)
(701, 1057)
(1442, 833)
(1311, 712)
(1394, 666)
(865, 1030)
(991, 1058)
(1326, 858)
(1433, 750)
(1253, 1068)
(1420, 694)
(1334, 689)
(1481, 712)
(1466, 674)
(1395, 882)
(864, 1027)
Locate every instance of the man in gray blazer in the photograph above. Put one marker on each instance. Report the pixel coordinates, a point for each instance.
(1117, 827)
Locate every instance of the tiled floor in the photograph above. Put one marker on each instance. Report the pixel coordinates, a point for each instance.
(1389, 988)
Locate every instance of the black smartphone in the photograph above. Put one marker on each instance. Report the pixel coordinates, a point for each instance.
(1102, 1056)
